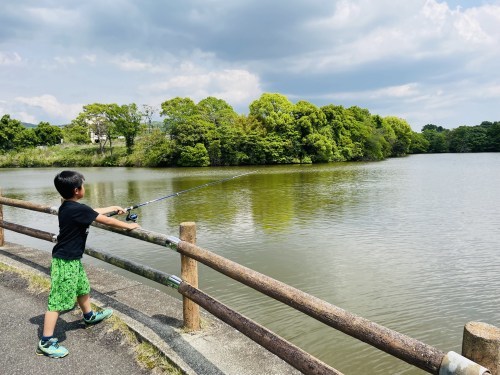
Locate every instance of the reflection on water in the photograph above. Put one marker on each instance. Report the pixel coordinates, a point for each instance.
(409, 243)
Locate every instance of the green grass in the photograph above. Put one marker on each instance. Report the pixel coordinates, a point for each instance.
(66, 155)
(145, 353)
(37, 284)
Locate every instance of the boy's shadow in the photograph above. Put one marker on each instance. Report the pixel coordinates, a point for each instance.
(62, 325)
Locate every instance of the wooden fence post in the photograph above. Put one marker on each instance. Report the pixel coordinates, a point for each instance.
(2, 238)
(481, 344)
(189, 274)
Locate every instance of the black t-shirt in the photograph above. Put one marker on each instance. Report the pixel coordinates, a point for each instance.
(74, 221)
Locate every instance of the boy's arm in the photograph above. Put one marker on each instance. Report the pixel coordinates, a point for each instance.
(107, 210)
(103, 219)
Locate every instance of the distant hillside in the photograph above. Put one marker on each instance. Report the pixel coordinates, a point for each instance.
(29, 125)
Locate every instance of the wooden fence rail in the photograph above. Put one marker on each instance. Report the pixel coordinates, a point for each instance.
(396, 344)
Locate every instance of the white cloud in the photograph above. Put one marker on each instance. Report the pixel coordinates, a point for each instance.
(401, 91)
(50, 105)
(54, 16)
(26, 117)
(65, 60)
(233, 85)
(491, 90)
(91, 58)
(10, 58)
(436, 57)
(129, 64)
(406, 91)
(364, 32)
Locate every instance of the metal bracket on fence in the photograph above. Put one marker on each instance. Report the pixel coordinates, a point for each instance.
(174, 281)
(455, 364)
(172, 242)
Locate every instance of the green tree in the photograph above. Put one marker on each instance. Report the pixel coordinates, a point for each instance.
(76, 132)
(438, 140)
(318, 147)
(153, 150)
(99, 118)
(459, 139)
(468, 139)
(185, 124)
(177, 112)
(48, 135)
(11, 131)
(276, 113)
(225, 135)
(196, 156)
(27, 138)
(251, 144)
(419, 144)
(311, 124)
(385, 130)
(340, 121)
(403, 133)
(127, 120)
(276, 149)
(216, 111)
(493, 136)
(148, 112)
(365, 141)
(437, 128)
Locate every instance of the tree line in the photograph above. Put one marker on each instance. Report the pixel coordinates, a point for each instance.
(276, 131)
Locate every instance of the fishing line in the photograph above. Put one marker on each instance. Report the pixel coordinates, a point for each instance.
(133, 217)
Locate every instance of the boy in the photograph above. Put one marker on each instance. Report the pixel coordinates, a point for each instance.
(68, 278)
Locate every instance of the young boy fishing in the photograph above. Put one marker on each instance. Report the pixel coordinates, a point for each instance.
(69, 281)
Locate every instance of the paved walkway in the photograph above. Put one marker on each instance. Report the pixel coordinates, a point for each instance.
(152, 314)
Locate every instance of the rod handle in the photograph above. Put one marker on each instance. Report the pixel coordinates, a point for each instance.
(112, 213)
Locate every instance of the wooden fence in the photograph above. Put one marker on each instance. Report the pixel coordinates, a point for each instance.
(481, 344)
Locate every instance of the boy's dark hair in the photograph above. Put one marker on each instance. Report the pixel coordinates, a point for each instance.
(67, 181)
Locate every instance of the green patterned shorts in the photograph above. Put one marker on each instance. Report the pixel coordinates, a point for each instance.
(68, 281)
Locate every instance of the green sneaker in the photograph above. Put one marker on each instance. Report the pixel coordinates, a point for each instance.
(99, 316)
(51, 349)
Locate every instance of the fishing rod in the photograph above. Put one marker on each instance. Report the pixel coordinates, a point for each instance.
(133, 217)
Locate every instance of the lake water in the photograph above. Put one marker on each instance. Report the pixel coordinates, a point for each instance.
(410, 243)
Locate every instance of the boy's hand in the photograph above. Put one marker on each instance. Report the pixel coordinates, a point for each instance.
(132, 226)
(119, 210)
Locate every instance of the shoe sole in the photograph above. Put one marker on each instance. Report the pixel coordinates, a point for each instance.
(42, 353)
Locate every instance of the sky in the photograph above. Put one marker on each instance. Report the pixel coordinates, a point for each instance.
(425, 61)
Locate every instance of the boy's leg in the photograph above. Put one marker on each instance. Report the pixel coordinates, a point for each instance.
(61, 298)
(84, 303)
(48, 344)
(49, 323)
(89, 316)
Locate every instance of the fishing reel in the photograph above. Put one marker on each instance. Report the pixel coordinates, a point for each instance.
(131, 217)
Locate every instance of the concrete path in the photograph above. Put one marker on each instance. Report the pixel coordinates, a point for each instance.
(92, 350)
(153, 315)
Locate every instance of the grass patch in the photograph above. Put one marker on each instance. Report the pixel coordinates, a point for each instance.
(37, 284)
(65, 155)
(151, 358)
(145, 354)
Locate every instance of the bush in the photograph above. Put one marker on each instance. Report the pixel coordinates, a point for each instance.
(153, 150)
(196, 156)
